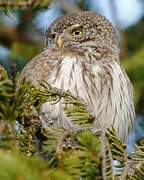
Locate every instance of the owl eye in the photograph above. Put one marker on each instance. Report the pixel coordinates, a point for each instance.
(53, 36)
(77, 32)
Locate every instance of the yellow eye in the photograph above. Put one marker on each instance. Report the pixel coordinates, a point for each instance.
(77, 32)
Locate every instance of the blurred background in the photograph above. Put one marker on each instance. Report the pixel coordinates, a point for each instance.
(22, 26)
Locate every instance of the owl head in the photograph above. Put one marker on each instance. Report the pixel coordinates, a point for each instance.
(81, 30)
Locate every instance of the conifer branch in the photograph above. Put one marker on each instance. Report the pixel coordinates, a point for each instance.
(79, 153)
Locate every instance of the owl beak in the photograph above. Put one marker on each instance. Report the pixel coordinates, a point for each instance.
(60, 42)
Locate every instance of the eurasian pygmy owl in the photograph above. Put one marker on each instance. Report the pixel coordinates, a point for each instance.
(82, 56)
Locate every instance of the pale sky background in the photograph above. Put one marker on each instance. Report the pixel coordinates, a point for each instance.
(129, 12)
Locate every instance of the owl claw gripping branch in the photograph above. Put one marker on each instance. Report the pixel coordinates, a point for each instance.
(82, 56)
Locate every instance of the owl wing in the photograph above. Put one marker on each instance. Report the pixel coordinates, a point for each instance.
(42, 67)
(37, 69)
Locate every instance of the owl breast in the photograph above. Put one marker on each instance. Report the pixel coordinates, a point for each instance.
(105, 87)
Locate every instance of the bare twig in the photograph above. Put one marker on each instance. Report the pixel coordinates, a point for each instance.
(8, 35)
(23, 4)
(67, 7)
(20, 4)
(60, 143)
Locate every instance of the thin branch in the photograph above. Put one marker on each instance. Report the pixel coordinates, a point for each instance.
(20, 4)
(8, 35)
(60, 143)
(24, 4)
(67, 7)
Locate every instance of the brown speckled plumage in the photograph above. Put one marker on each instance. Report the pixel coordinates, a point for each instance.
(82, 56)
